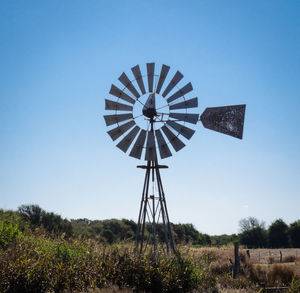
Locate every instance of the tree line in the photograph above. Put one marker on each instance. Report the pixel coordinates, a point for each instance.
(104, 231)
(253, 233)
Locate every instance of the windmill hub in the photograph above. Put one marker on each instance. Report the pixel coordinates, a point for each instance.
(149, 110)
(144, 113)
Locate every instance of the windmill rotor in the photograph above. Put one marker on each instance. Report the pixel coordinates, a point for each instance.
(164, 104)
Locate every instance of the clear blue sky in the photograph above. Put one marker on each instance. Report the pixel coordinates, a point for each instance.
(58, 60)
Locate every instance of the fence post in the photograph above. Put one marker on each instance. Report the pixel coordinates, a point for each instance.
(280, 256)
(236, 267)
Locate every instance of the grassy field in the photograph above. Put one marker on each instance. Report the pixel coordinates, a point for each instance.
(34, 261)
(263, 267)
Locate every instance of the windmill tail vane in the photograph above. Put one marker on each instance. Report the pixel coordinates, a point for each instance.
(155, 113)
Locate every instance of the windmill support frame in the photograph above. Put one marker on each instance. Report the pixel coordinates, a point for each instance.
(152, 208)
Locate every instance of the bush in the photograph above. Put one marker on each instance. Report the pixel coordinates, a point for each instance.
(9, 233)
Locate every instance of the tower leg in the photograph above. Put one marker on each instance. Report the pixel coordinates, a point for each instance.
(153, 209)
(141, 221)
(164, 211)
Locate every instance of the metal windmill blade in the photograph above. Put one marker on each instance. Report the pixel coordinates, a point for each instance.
(151, 114)
(162, 77)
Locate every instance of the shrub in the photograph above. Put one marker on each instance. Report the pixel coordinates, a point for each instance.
(294, 286)
(9, 233)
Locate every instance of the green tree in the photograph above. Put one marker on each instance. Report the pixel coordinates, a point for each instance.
(31, 213)
(185, 233)
(179, 233)
(203, 239)
(253, 233)
(37, 217)
(109, 236)
(278, 234)
(294, 234)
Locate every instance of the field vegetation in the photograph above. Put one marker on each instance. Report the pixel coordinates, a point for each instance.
(41, 252)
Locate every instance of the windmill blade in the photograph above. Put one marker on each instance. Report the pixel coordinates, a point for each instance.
(190, 118)
(177, 77)
(150, 73)
(139, 79)
(163, 74)
(113, 119)
(174, 140)
(118, 131)
(183, 130)
(115, 91)
(164, 150)
(228, 120)
(150, 147)
(128, 84)
(186, 89)
(111, 105)
(192, 103)
(137, 149)
(128, 139)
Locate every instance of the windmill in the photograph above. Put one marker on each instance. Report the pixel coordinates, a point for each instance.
(151, 114)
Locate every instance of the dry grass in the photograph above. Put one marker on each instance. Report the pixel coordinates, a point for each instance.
(226, 290)
(264, 255)
(212, 253)
(274, 274)
(289, 258)
(262, 267)
(280, 274)
(268, 271)
(219, 289)
(111, 289)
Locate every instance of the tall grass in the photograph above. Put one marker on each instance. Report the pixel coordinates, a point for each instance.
(35, 262)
